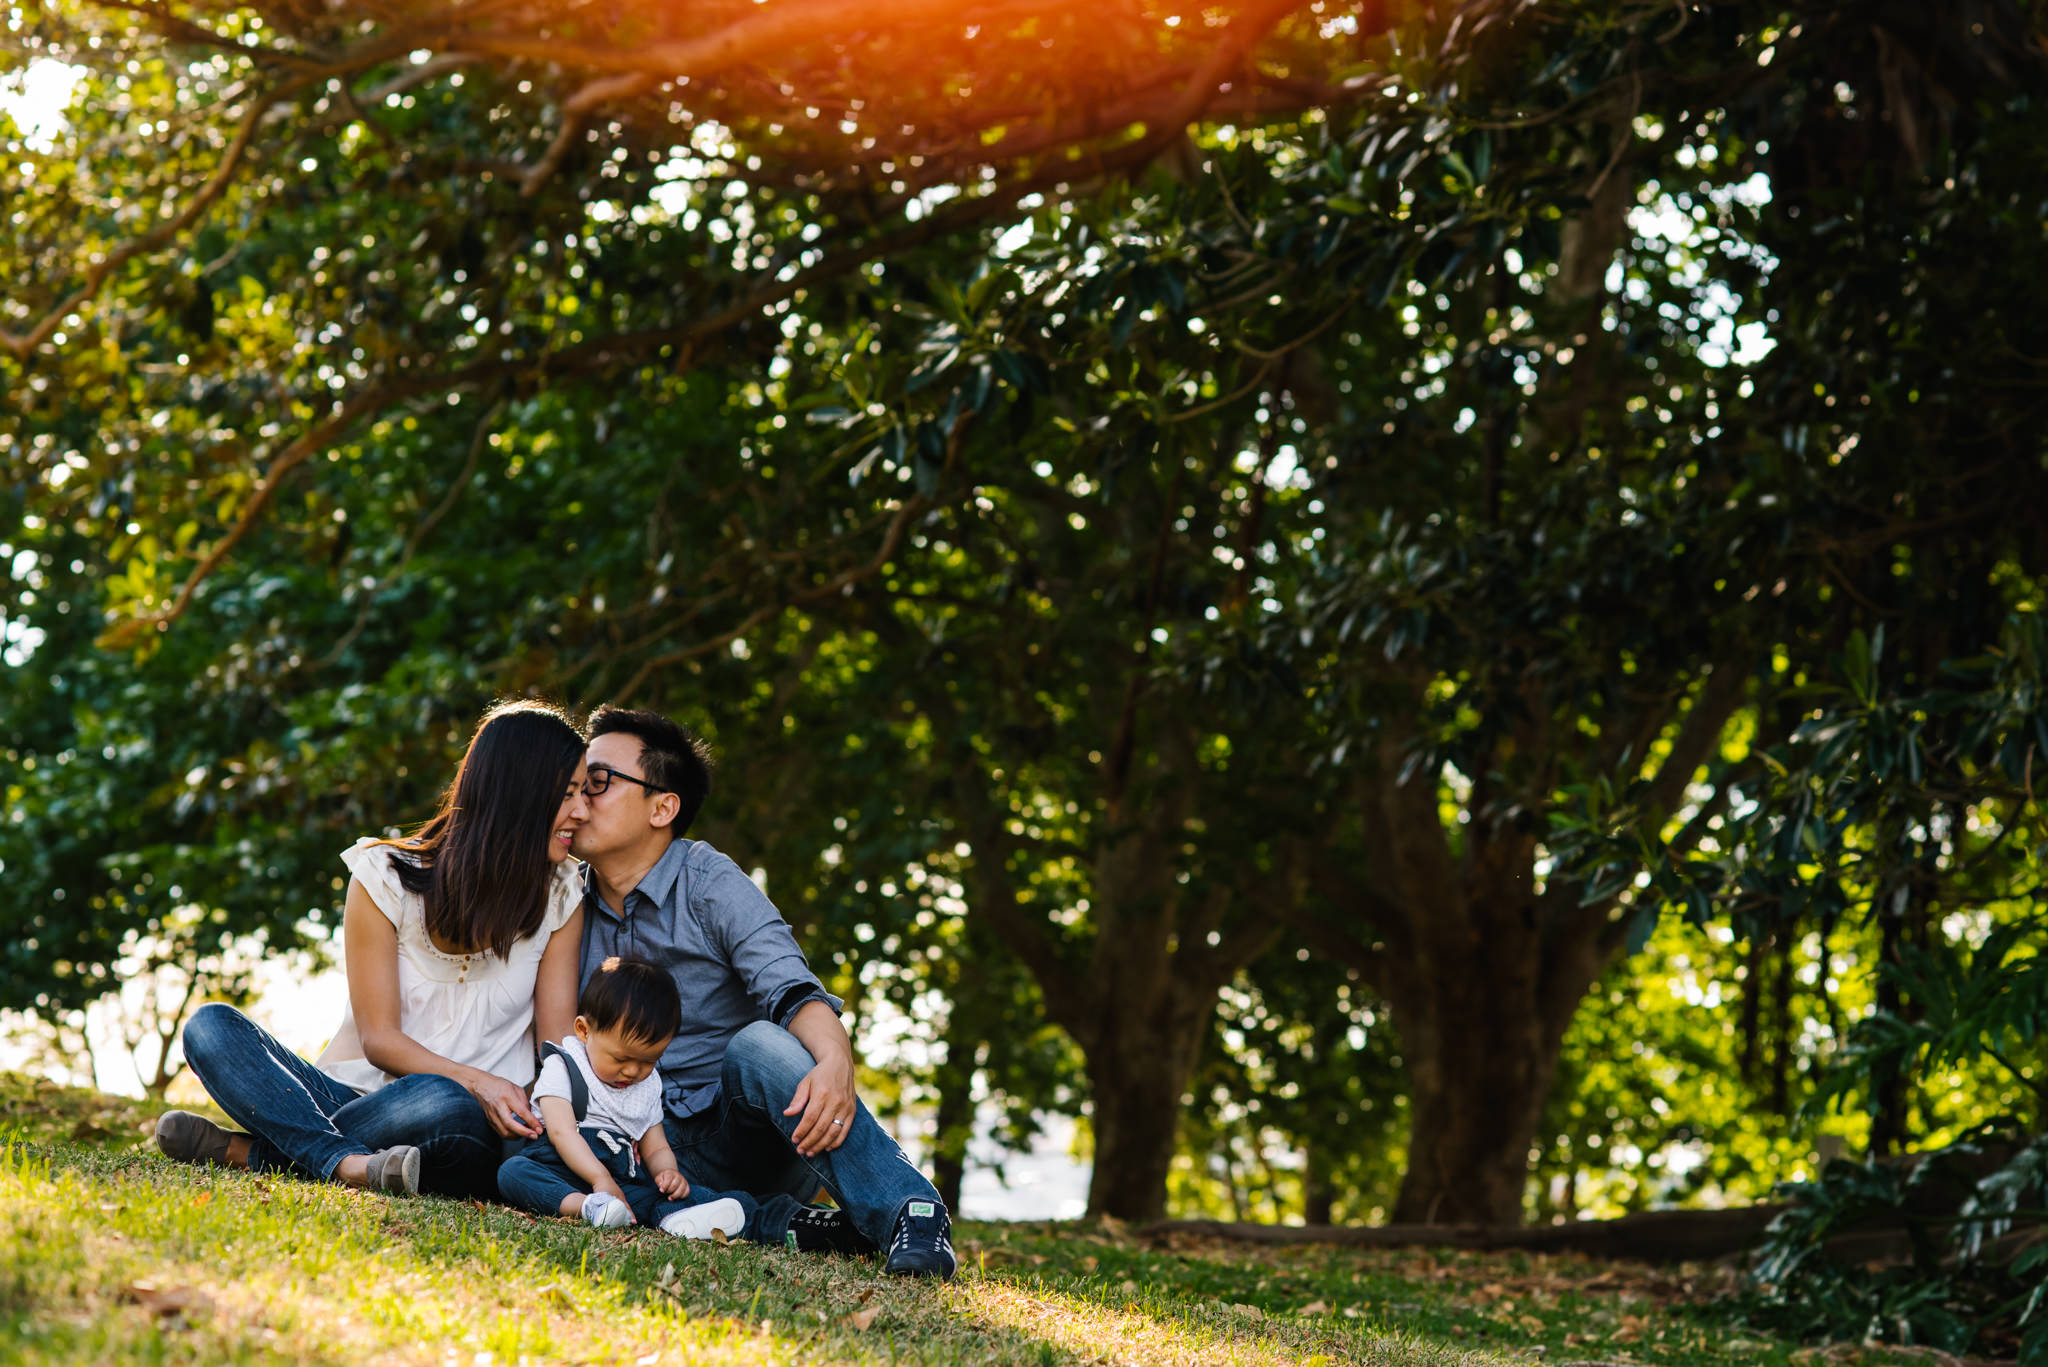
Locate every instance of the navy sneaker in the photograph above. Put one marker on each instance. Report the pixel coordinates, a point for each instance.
(921, 1246)
(819, 1229)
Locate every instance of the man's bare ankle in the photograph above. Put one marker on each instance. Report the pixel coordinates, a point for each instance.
(354, 1170)
(238, 1151)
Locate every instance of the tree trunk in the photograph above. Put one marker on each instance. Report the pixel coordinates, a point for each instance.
(953, 1128)
(1477, 1087)
(1136, 1118)
(1480, 1032)
(1887, 1084)
(1136, 1076)
(1319, 1197)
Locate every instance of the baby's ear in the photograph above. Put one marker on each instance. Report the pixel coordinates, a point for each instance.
(582, 1029)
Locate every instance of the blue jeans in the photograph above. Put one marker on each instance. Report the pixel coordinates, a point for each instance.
(300, 1120)
(537, 1178)
(741, 1144)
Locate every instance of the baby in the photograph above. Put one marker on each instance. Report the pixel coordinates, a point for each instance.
(604, 1155)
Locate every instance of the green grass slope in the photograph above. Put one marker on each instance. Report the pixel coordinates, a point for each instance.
(111, 1255)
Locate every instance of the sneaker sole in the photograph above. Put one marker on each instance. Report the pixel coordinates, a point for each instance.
(184, 1137)
(701, 1222)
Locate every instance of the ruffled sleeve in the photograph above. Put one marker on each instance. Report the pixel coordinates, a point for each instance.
(565, 894)
(370, 864)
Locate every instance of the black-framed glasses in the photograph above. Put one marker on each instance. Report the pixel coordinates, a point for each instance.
(595, 781)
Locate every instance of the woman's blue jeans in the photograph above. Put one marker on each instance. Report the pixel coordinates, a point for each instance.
(300, 1120)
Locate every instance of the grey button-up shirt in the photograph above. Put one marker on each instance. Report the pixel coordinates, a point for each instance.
(734, 959)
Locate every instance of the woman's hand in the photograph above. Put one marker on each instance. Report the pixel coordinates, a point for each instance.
(505, 1106)
(374, 996)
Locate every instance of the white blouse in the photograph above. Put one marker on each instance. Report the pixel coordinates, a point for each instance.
(475, 1009)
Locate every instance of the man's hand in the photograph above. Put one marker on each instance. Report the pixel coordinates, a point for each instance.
(825, 1100)
(672, 1184)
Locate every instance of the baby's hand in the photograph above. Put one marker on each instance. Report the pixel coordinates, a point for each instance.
(672, 1184)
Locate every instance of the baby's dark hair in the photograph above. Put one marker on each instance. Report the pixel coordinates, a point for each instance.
(633, 997)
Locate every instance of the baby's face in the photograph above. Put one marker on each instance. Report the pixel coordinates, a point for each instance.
(618, 1059)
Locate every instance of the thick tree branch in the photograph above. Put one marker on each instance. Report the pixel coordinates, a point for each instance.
(312, 442)
(1698, 736)
(771, 30)
(1226, 54)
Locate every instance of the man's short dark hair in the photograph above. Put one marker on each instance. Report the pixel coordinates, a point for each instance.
(634, 997)
(670, 757)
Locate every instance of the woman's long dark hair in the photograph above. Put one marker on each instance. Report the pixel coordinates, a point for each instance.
(481, 862)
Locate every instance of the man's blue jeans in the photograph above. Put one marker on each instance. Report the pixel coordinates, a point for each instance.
(740, 1146)
(303, 1121)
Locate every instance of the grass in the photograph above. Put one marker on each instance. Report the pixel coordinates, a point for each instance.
(111, 1255)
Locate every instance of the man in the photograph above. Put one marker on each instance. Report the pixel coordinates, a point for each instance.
(758, 1084)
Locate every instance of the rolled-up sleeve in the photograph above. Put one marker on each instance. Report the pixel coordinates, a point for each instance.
(745, 926)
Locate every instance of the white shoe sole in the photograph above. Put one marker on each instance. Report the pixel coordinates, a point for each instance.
(723, 1216)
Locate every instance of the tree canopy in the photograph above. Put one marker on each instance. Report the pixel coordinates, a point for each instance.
(1421, 588)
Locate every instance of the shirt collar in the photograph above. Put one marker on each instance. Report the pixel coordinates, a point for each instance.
(655, 885)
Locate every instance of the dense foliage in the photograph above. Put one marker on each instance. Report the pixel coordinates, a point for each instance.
(1968, 1212)
(1408, 649)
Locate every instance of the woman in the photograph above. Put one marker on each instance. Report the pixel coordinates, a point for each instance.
(450, 937)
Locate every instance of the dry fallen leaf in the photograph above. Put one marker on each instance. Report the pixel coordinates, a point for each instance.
(202, 1198)
(557, 1295)
(166, 1301)
(862, 1319)
(1315, 1308)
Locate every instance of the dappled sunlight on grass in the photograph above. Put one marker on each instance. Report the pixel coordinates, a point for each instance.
(175, 1264)
(1136, 1328)
(118, 1257)
(110, 1255)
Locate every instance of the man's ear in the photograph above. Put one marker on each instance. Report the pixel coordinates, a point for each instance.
(666, 805)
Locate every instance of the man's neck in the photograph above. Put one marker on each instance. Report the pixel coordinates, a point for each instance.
(619, 872)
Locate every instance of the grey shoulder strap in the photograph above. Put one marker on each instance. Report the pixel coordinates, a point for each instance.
(579, 1090)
